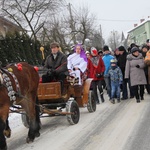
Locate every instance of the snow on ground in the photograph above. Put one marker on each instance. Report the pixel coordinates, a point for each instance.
(115, 124)
(15, 120)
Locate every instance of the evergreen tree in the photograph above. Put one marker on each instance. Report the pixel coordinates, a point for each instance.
(18, 48)
(3, 57)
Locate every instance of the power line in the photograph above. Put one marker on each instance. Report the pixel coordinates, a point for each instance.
(109, 20)
(118, 20)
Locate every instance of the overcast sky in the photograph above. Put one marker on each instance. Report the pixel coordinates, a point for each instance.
(118, 15)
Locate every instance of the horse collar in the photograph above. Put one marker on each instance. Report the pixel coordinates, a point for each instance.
(8, 84)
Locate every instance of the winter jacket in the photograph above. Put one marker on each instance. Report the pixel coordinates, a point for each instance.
(96, 68)
(59, 64)
(146, 67)
(115, 75)
(122, 62)
(90, 69)
(106, 60)
(136, 75)
(147, 62)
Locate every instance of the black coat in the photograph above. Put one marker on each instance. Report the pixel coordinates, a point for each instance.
(122, 62)
(59, 64)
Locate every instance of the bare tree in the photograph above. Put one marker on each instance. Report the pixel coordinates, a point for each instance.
(97, 40)
(85, 24)
(69, 28)
(54, 30)
(30, 14)
(114, 39)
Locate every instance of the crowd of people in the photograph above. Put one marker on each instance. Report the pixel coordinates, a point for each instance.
(123, 73)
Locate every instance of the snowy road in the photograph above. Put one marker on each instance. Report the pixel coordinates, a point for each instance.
(123, 126)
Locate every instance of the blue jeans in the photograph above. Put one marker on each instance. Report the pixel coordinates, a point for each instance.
(115, 90)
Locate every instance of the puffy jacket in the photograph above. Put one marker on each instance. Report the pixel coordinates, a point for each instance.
(106, 60)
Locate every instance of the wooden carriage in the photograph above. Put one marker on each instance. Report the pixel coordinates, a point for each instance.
(53, 103)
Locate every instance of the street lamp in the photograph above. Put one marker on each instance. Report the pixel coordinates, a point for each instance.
(87, 43)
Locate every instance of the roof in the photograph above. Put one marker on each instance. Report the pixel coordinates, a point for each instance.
(2, 19)
(148, 20)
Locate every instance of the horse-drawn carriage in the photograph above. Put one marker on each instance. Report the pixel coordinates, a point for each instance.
(19, 84)
(53, 103)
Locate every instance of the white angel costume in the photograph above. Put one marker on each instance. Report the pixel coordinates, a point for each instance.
(75, 60)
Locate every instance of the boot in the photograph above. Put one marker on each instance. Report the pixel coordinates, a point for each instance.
(112, 101)
(102, 98)
(97, 102)
(138, 100)
(118, 100)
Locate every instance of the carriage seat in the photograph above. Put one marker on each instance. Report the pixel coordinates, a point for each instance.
(72, 80)
(75, 80)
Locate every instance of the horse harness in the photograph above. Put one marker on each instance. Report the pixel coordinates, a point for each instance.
(5, 81)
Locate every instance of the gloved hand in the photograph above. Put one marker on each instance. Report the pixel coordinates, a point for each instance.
(51, 72)
(99, 75)
(137, 66)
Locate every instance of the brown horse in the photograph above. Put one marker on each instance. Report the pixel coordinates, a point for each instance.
(18, 85)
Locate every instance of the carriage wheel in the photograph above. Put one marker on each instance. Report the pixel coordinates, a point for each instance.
(72, 106)
(91, 106)
(25, 119)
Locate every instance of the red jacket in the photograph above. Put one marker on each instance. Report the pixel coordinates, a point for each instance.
(94, 69)
(90, 69)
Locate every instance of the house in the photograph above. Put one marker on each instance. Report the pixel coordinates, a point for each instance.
(140, 33)
(7, 26)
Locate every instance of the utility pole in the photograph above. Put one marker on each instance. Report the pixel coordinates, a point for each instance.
(100, 27)
(71, 24)
(114, 39)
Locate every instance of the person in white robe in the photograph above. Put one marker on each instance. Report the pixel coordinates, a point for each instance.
(77, 62)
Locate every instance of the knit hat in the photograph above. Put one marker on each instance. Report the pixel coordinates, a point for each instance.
(121, 48)
(94, 51)
(87, 52)
(105, 48)
(113, 61)
(133, 45)
(134, 49)
(145, 46)
(148, 41)
(100, 52)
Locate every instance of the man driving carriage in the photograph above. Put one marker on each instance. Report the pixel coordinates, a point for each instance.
(59, 66)
(56, 63)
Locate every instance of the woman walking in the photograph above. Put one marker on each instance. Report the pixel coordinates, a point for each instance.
(135, 71)
(97, 74)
